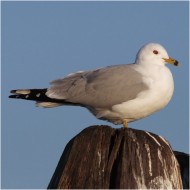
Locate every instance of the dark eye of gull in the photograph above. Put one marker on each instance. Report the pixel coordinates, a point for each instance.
(155, 52)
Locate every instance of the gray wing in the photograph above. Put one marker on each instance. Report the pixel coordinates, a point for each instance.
(99, 88)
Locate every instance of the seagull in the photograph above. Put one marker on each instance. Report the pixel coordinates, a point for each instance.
(119, 93)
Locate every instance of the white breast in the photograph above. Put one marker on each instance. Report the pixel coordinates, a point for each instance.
(161, 87)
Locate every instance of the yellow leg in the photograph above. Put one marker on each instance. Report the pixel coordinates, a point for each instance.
(125, 123)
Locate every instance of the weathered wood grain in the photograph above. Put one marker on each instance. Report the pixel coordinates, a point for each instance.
(103, 157)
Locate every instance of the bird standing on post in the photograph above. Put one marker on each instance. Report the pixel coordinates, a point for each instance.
(119, 94)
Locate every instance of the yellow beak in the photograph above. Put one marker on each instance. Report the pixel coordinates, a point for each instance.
(171, 61)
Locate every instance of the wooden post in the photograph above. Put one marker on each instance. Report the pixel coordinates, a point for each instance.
(183, 160)
(103, 157)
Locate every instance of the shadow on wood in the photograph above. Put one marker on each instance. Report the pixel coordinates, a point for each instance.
(103, 157)
(183, 160)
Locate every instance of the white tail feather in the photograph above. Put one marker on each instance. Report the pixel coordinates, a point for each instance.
(48, 104)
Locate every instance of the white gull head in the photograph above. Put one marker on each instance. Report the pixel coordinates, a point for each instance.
(154, 53)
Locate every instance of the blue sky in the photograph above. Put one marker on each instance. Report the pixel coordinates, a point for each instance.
(43, 41)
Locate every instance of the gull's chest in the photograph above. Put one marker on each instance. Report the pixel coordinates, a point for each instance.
(161, 87)
(159, 92)
(160, 81)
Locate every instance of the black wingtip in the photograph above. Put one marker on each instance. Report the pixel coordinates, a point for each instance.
(13, 91)
(13, 96)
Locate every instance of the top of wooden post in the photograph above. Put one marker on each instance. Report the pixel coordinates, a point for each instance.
(103, 157)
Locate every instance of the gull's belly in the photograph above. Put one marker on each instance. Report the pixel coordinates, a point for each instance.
(158, 95)
(143, 105)
(149, 101)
